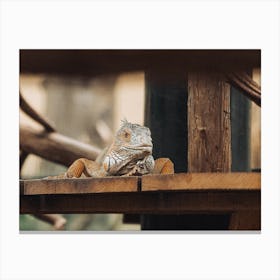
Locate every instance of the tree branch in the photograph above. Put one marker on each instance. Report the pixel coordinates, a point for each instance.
(54, 146)
(26, 108)
(248, 87)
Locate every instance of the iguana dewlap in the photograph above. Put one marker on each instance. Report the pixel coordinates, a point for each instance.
(130, 154)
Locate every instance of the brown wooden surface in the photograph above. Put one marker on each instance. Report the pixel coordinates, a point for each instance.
(79, 186)
(208, 123)
(170, 182)
(144, 202)
(96, 62)
(54, 146)
(237, 194)
(245, 220)
(202, 181)
(246, 85)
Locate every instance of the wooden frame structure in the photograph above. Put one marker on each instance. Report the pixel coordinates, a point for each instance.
(236, 194)
(188, 101)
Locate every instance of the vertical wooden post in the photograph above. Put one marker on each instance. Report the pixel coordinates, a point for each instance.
(208, 123)
(167, 114)
(209, 132)
(245, 220)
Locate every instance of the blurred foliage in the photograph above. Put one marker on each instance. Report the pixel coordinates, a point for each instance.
(76, 222)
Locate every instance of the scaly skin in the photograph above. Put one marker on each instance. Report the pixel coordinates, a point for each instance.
(130, 154)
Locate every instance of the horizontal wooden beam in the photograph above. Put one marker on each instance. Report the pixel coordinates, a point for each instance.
(78, 186)
(236, 194)
(96, 62)
(143, 202)
(202, 181)
(173, 182)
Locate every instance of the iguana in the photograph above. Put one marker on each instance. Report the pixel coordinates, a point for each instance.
(130, 154)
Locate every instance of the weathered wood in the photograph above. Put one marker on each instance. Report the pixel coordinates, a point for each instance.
(202, 181)
(208, 123)
(54, 146)
(246, 85)
(95, 62)
(245, 220)
(144, 202)
(78, 186)
(180, 181)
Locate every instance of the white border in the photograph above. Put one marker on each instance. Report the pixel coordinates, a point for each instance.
(145, 24)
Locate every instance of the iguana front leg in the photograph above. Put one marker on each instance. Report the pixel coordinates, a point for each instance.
(82, 166)
(94, 169)
(87, 167)
(142, 167)
(163, 166)
(150, 166)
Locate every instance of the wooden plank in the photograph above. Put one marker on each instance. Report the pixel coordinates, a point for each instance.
(95, 62)
(79, 186)
(202, 181)
(179, 181)
(144, 202)
(208, 123)
(245, 220)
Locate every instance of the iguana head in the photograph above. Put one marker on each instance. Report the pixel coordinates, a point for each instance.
(132, 143)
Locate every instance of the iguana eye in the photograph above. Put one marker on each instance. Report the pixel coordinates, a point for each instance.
(127, 134)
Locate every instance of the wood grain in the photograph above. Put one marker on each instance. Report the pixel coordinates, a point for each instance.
(95, 62)
(144, 202)
(79, 186)
(245, 220)
(202, 181)
(170, 182)
(208, 123)
(246, 85)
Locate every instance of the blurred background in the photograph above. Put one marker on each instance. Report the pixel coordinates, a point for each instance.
(89, 110)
